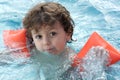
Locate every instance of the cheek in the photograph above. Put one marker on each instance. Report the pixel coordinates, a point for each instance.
(60, 43)
(60, 47)
(37, 44)
(38, 47)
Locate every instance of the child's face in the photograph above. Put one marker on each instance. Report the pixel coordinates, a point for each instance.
(51, 39)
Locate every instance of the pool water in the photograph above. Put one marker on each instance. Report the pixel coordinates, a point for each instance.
(102, 16)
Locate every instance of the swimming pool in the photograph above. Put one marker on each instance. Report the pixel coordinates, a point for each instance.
(89, 16)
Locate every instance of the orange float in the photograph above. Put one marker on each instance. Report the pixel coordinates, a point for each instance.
(96, 40)
(16, 40)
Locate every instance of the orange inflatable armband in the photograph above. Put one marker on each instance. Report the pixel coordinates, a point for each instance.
(97, 40)
(16, 39)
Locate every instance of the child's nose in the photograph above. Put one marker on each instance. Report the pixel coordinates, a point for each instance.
(46, 41)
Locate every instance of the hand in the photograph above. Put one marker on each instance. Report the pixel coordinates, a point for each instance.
(100, 51)
(98, 54)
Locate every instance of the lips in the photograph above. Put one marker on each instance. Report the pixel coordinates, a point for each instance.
(49, 50)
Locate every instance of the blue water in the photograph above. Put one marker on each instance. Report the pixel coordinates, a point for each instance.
(102, 16)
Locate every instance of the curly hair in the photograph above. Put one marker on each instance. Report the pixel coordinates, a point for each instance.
(47, 14)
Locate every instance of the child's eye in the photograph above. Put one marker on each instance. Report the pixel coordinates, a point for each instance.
(53, 34)
(38, 36)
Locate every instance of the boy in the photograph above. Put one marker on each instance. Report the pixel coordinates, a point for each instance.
(49, 28)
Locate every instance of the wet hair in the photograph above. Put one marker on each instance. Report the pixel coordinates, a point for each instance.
(47, 14)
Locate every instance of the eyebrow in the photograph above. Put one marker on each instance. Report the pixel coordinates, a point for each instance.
(51, 27)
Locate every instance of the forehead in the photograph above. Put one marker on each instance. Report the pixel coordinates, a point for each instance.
(46, 27)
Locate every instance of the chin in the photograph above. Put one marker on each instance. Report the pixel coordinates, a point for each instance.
(54, 53)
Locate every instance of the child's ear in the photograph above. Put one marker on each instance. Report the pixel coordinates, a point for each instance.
(68, 37)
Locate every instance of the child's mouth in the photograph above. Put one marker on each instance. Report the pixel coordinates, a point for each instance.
(50, 50)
